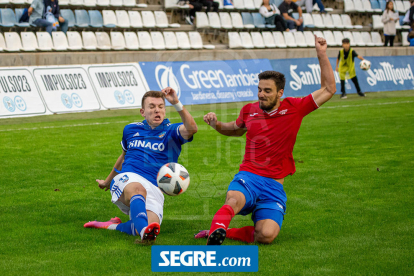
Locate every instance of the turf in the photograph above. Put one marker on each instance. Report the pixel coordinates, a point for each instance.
(349, 211)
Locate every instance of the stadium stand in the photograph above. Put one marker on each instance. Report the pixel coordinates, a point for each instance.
(145, 41)
(158, 42)
(234, 40)
(279, 39)
(44, 41)
(131, 41)
(290, 39)
(183, 40)
(246, 40)
(300, 39)
(268, 40)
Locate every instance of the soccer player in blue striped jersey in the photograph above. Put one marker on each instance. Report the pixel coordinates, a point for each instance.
(146, 146)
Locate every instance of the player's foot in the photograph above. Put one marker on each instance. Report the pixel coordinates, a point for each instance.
(343, 96)
(217, 237)
(102, 224)
(151, 232)
(202, 234)
(361, 94)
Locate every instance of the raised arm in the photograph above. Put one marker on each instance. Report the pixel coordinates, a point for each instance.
(189, 128)
(228, 129)
(105, 184)
(328, 85)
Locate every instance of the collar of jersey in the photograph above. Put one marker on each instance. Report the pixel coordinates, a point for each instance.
(160, 127)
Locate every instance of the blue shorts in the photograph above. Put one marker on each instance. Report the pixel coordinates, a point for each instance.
(265, 197)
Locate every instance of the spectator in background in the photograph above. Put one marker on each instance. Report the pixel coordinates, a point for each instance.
(309, 5)
(345, 66)
(411, 15)
(210, 4)
(272, 16)
(37, 11)
(228, 3)
(195, 6)
(410, 36)
(389, 17)
(286, 8)
(63, 23)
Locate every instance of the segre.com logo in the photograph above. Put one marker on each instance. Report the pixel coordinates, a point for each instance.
(204, 258)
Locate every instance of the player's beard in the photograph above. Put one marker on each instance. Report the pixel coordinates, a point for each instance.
(268, 107)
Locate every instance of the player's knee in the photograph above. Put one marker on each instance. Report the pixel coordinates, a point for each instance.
(236, 200)
(134, 189)
(265, 236)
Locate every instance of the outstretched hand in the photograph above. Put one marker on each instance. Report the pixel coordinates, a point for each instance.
(210, 119)
(320, 45)
(170, 95)
(103, 185)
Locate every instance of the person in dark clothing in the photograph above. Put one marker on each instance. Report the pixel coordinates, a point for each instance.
(37, 10)
(195, 6)
(286, 8)
(63, 23)
(272, 16)
(210, 4)
(411, 16)
(345, 66)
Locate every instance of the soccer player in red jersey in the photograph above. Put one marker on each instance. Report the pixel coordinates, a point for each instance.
(271, 125)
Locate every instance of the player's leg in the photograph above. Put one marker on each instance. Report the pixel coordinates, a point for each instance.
(235, 200)
(269, 211)
(392, 40)
(386, 40)
(355, 81)
(343, 95)
(239, 199)
(134, 195)
(265, 231)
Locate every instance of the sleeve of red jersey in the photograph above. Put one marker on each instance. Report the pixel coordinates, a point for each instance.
(241, 120)
(307, 105)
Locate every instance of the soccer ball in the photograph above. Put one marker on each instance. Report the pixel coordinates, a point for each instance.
(173, 179)
(365, 64)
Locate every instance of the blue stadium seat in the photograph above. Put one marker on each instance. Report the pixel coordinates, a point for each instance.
(68, 15)
(382, 4)
(95, 18)
(259, 21)
(18, 13)
(374, 4)
(82, 18)
(401, 20)
(247, 18)
(8, 19)
(276, 2)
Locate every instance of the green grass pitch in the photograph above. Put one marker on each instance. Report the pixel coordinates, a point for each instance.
(349, 211)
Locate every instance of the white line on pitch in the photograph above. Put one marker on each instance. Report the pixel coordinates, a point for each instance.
(358, 105)
(175, 118)
(76, 125)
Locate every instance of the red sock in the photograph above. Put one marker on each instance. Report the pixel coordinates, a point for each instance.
(222, 218)
(245, 234)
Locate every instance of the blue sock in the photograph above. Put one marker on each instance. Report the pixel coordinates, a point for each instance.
(138, 213)
(126, 227)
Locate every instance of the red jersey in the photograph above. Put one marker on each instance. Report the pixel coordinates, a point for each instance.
(271, 136)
